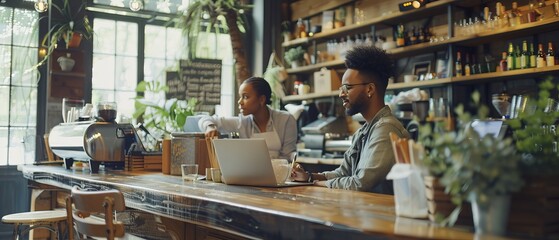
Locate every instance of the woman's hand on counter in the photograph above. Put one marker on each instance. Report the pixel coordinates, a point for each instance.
(211, 132)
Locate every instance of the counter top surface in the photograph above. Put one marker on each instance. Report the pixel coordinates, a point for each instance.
(293, 212)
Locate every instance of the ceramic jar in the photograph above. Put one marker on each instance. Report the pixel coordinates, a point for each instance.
(66, 62)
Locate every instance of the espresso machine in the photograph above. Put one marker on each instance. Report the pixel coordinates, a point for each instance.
(94, 142)
(325, 137)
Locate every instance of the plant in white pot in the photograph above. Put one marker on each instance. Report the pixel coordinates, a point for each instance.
(482, 170)
(295, 56)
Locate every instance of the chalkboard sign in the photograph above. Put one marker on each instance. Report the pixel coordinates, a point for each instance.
(200, 79)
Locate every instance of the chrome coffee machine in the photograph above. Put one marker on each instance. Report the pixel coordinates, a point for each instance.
(93, 142)
(326, 136)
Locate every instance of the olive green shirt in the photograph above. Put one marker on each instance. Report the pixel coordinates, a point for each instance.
(370, 157)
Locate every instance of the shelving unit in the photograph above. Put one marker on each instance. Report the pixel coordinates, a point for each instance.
(439, 7)
(388, 19)
(69, 84)
(472, 79)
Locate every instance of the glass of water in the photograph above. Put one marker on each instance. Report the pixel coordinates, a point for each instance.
(189, 171)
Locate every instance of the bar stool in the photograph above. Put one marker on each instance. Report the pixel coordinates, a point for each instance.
(27, 221)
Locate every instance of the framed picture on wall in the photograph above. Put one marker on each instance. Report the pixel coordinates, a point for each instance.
(420, 69)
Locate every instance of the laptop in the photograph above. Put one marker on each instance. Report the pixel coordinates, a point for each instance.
(247, 162)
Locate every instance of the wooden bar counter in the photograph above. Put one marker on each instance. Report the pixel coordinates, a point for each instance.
(303, 212)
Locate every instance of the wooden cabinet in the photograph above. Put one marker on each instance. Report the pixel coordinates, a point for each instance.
(67, 84)
(442, 16)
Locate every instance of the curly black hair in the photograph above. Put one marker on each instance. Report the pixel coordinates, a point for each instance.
(373, 62)
(261, 86)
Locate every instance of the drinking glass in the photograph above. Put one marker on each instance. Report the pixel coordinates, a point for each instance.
(71, 109)
(189, 171)
(502, 103)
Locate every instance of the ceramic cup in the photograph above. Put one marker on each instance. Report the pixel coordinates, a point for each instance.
(208, 174)
(216, 175)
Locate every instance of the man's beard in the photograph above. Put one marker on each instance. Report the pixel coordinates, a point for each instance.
(356, 106)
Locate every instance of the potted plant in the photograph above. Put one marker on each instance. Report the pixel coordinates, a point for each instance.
(535, 135)
(295, 56)
(482, 170)
(536, 138)
(202, 15)
(68, 23)
(161, 116)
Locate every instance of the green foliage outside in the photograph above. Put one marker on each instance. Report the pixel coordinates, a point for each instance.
(161, 116)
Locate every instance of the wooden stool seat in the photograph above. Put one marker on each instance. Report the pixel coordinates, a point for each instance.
(38, 219)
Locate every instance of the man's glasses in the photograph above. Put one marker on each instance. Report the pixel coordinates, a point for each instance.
(346, 87)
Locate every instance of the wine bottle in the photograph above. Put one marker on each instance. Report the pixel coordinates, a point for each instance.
(503, 62)
(517, 58)
(525, 58)
(458, 65)
(511, 58)
(532, 56)
(540, 59)
(550, 58)
(467, 68)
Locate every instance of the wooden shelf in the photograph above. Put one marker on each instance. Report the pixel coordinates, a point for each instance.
(426, 83)
(484, 77)
(68, 74)
(520, 73)
(316, 67)
(392, 18)
(309, 96)
(475, 39)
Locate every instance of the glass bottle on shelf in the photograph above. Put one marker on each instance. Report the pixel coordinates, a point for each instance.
(296, 86)
(413, 36)
(525, 57)
(556, 8)
(517, 58)
(511, 58)
(400, 38)
(301, 29)
(540, 59)
(421, 35)
(532, 56)
(458, 65)
(516, 15)
(550, 58)
(503, 62)
(531, 15)
(467, 68)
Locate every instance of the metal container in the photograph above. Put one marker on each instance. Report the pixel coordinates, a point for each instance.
(187, 147)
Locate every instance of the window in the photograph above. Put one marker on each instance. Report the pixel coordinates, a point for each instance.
(116, 53)
(18, 85)
(115, 64)
(164, 57)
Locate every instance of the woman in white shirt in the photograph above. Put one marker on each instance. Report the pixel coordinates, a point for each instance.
(257, 120)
